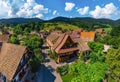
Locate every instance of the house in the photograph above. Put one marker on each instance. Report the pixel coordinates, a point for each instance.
(69, 44)
(34, 33)
(101, 32)
(76, 33)
(63, 45)
(87, 36)
(56, 32)
(82, 46)
(14, 62)
(106, 48)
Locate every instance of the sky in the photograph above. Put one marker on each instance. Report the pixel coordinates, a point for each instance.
(48, 9)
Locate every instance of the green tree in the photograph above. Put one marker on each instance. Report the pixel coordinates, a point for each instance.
(18, 30)
(27, 31)
(88, 72)
(95, 46)
(38, 54)
(97, 56)
(115, 31)
(33, 42)
(113, 61)
(14, 39)
(34, 64)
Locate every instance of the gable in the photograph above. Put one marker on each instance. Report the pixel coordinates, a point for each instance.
(69, 42)
(63, 40)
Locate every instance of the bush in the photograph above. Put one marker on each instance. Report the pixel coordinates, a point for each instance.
(63, 69)
(52, 54)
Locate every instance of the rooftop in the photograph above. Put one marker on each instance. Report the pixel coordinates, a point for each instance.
(10, 56)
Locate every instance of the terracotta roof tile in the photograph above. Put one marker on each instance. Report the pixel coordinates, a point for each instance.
(10, 57)
(87, 36)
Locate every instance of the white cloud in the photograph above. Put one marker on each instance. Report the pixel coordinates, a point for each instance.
(32, 9)
(83, 11)
(21, 8)
(39, 15)
(69, 6)
(106, 12)
(5, 8)
(54, 12)
(40, 9)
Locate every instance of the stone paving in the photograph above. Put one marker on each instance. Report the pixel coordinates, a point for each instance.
(51, 65)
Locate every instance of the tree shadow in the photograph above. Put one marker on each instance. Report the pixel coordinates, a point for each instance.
(44, 74)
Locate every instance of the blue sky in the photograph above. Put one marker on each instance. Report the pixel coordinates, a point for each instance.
(47, 9)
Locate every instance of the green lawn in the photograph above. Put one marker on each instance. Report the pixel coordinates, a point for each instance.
(67, 78)
(49, 26)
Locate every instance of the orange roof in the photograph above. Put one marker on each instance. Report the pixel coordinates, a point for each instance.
(87, 36)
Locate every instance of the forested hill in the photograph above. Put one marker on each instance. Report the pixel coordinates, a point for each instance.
(15, 21)
(86, 21)
(78, 21)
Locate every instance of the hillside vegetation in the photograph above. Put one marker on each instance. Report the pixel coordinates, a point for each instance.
(59, 26)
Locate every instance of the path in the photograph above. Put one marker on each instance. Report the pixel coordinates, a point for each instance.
(47, 69)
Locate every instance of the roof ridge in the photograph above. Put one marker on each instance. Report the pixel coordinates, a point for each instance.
(61, 40)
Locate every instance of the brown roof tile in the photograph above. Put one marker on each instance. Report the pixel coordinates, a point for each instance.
(67, 50)
(60, 42)
(4, 38)
(81, 45)
(10, 57)
(52, 38)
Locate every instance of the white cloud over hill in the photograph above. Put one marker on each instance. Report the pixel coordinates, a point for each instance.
(106, 12)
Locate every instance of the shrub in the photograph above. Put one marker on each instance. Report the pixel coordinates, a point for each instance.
(63, 69)
(52, 54)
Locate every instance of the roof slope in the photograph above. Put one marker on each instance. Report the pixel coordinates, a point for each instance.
(52, 38)
(82, 45)
(60, 42)
(4, 38)
(10, 57)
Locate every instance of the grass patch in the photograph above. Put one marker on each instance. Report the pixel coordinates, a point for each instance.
(67, 78)
(49, 26)
(107, 29)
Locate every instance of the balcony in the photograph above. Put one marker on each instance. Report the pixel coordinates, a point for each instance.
(68, 50)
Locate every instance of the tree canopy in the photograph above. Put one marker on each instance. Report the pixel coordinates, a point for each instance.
(113, 61)
(88, 72)
(95, 46)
